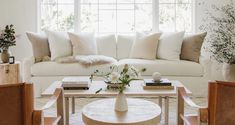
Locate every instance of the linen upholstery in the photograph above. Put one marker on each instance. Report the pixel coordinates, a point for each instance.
(165, 67)
(145, 46)
(169, 47)
(124, 45)
(59, 43)
(191, 47)
(83, 43)
(106, 45)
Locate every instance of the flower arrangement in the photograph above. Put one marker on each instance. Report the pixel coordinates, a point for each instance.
(121, 77)
(222, 33)
(7, 37)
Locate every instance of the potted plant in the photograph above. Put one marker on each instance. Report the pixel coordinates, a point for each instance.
(222, 37)
(7, 39)
(119, 79)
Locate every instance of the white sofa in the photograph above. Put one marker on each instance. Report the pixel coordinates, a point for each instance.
(43, 74)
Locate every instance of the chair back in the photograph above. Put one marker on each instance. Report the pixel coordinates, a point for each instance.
(221, 103)
(16, 104)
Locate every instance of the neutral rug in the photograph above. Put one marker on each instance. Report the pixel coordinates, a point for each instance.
(75, 119)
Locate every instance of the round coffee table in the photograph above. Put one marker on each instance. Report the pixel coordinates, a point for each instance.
(140, 112)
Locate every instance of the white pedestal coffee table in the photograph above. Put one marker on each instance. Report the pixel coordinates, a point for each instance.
(140, 112)
(135, 90)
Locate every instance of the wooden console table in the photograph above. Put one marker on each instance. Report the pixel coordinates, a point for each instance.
(9, 73)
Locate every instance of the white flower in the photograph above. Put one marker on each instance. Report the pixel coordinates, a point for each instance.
(115, 76)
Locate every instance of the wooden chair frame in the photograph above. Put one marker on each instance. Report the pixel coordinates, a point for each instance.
(36, 117)
(205, 114)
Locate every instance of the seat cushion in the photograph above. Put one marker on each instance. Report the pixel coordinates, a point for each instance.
(166, 67)
(62, 69)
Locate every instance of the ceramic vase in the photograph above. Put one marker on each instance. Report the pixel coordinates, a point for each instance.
(121, 103)
(5, 56)
(228, 72)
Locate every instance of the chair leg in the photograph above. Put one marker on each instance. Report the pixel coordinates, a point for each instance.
(61, 109)
(180, 110)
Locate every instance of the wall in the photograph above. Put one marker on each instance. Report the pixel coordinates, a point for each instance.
(23, 15)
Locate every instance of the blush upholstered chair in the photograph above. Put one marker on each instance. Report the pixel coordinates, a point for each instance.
(221, 106)
(17, 106)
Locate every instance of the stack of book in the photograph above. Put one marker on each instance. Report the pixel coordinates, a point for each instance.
(162, 84)
(76, 83)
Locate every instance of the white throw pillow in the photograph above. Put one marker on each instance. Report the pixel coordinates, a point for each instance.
(83, 43)
(59, 44)
(145, 47)
(124, 44)
(106, 45)
(169, 47)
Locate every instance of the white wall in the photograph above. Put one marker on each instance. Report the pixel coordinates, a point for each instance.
(23, 14)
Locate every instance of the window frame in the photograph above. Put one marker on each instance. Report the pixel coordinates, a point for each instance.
(155, 18)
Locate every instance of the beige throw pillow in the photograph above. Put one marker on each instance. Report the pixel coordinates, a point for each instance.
(83, 43)
(191, 47)
(145, 47)
(39, 44)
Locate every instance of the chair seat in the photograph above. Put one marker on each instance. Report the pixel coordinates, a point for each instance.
(51, 120)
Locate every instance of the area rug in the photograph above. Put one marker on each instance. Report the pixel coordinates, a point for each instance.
(75, 119)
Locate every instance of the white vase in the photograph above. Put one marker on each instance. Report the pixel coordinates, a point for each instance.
(121, 102)
(228, 72)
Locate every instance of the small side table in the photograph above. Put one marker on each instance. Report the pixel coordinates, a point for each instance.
(9, 73)
(140, 112)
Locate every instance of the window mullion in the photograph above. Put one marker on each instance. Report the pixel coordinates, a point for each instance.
(155, 11)
(175, 16)
(77, 15)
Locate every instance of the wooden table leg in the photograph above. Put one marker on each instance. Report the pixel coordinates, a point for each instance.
(160, 104)
(67, 110)
(166, 110)
(73, 105)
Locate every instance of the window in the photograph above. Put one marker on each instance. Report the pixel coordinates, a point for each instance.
(116, 16)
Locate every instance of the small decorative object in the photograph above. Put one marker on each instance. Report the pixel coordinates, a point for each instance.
(156, 76)
(119, 79)
(7, 39)
(221, 29)
(11, 60)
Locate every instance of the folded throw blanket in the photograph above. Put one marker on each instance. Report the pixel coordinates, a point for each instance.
(90, 60)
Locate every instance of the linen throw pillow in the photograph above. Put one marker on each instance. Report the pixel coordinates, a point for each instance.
(106, 45)
(124, 43)
(191, 47)
(83, 43)
(39, 44)
(169, 47)
(145, 47)
(59, 43)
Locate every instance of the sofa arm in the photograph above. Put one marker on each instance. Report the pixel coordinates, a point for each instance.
(206, 63)
(26, 68)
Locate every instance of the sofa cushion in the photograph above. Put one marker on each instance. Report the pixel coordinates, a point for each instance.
(124, 45)
(70, 69)
(166, 67)
(106, 45)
